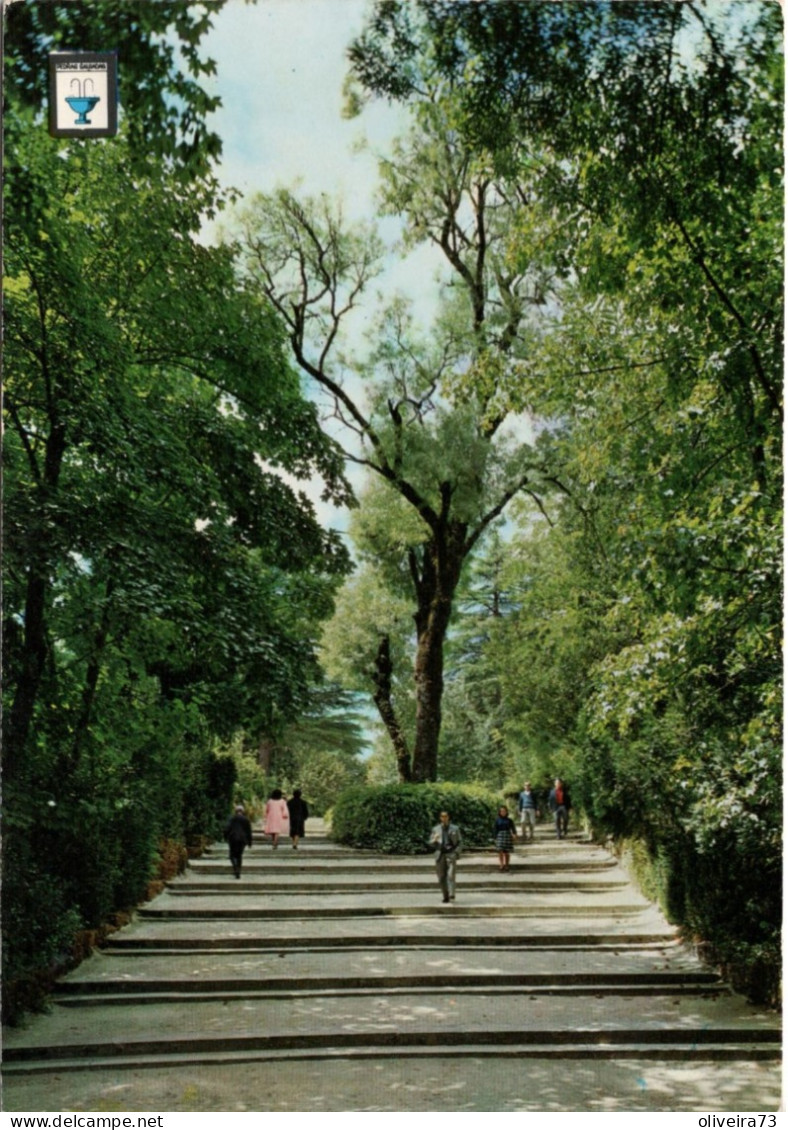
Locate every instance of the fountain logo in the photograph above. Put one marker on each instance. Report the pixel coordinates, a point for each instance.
(83, 94)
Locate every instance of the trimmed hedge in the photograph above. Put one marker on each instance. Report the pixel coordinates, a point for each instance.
(69, 866)
(397, 819)
(725, 908)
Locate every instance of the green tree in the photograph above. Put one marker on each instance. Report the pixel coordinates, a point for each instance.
(160, 67)
(163, 584)
(652, 617)
(444, 458)
(319, 752)
(134, 447)
(368, 643)
(472, 739)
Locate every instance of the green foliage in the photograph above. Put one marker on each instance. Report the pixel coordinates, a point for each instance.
(380, 767)
(472, 736)
(647, 148)
(38, 912)
(164, 104)
(163, 583)
(82, 844)
(38, 926)
(324, 775)
(366, 608)
(135, 480)
(333, 720)
(471, 743)
(208, 789)
(398, 818)
(719, 898)
(318, 752)
(251, 786)
(444, 466)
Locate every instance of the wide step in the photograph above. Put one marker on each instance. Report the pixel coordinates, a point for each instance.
(353, 1020)
(349, 965)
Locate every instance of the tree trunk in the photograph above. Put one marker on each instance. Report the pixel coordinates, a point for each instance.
(382, 696)
(92, 675)
(443, 560)
(265, 750)
(34, 654)
(428, 675)
(39, 586)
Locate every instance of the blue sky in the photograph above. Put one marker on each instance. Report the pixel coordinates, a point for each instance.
(280, 69)
(281, 64)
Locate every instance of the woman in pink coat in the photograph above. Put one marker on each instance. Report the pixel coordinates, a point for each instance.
(277, 817)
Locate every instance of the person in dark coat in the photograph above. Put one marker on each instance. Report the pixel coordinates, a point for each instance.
(298, 815)
(560, 803)
(238, 833)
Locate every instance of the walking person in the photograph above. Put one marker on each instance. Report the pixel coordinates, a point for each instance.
(445, 839)
(560, 804)
(277, 817)
(238, 833)
(504, 833)
(529, 811)
(298, 811)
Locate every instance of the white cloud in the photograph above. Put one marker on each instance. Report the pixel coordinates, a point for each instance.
(281, 64)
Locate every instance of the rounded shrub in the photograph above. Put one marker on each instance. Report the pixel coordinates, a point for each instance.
(398, 819)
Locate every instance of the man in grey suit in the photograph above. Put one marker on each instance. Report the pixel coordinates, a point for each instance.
(445, 839)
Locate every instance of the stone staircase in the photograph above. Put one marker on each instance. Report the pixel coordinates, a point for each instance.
(345, 968)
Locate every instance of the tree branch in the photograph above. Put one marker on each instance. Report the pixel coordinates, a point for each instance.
(700, 260)
(24, 436)
(494, 513)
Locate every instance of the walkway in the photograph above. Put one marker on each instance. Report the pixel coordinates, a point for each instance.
(332, 980)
